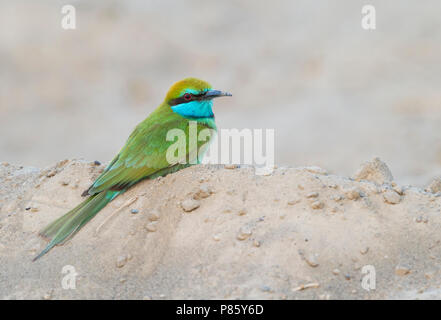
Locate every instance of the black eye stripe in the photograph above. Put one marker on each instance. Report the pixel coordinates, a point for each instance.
(180, 100)
(177, 101)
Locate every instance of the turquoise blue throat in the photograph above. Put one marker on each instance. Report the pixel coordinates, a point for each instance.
(195, 109)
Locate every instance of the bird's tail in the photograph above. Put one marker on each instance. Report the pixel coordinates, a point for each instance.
(66, 226)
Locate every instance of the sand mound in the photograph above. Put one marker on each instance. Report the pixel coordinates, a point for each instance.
(211, 232)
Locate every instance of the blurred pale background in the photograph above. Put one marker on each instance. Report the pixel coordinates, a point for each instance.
(335, 94)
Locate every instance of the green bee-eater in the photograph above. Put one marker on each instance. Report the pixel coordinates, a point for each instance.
(144, 154)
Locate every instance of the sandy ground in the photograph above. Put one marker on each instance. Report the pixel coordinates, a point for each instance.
(213, 232)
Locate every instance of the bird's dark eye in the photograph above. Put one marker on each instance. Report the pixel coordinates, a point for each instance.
(187, 97)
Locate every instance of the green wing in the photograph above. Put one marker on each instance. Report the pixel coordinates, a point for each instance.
(144, 155)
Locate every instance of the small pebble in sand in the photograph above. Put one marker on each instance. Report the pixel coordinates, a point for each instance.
(190, 205)
(47, 296)
(257, 243)
(398, 189)
(204, 191)
(34, 209)
(227, 209)
(391, 197)
(336, 272)
(347, 276)
(230, 166)
(428, 276)
(401, 270)
(216, 237)
(134, 211)
(265, 288)
(97, 163)
(65, 182)
(294, 201)
(153, 215)
(337, 197)
(364, 250)
(310, 259)
(151, 227)
(317, 205)
(244, 233)
(352, 194)
(312, 195)
(121, 261)
(242, 212)
(421, 290)
(335, 209)
(51, 173)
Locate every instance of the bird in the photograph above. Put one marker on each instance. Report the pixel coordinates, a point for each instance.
(144, 156)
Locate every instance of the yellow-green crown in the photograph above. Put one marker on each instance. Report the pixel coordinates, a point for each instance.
(191, 85)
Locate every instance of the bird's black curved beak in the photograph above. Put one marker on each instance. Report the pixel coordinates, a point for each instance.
(211, 94)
